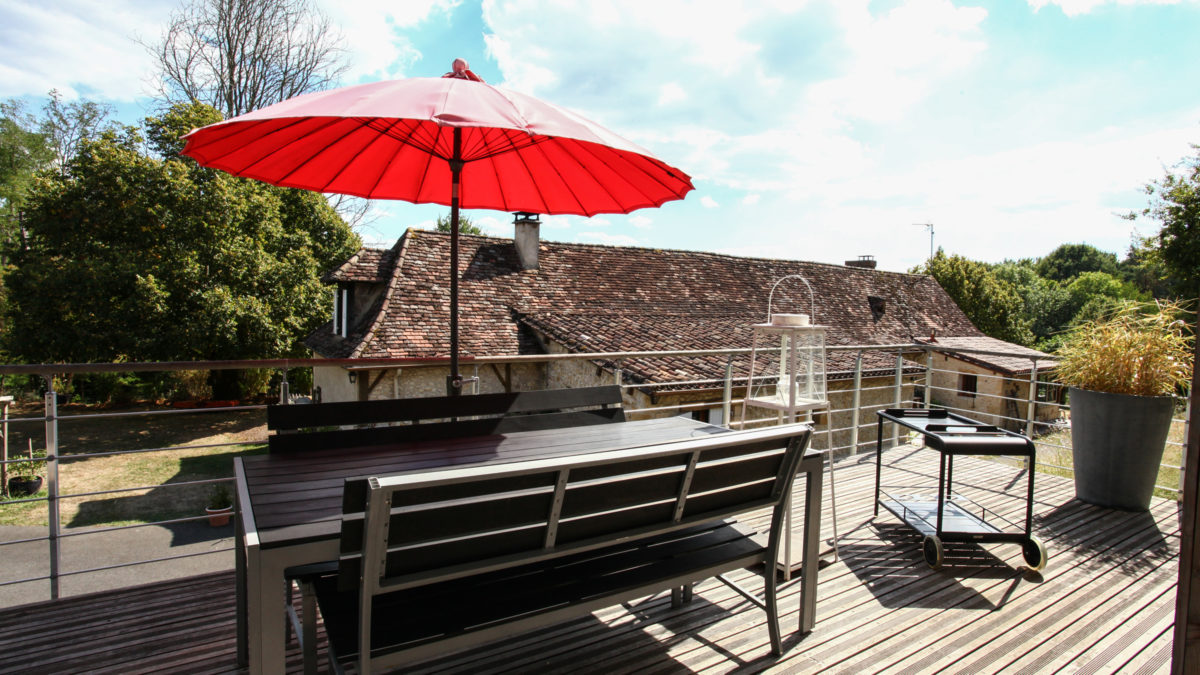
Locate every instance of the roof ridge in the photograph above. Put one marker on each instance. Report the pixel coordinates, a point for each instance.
(689, 252)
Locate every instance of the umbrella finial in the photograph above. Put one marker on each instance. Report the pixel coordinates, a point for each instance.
(460, 70)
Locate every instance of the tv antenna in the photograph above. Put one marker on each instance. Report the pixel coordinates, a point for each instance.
(928, 226)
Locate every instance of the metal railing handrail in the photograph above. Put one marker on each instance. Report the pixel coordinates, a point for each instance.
(906, 369)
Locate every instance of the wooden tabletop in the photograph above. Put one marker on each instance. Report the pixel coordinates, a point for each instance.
(296, 498)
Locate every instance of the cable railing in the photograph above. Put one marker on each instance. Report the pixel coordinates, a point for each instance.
(1029, 404)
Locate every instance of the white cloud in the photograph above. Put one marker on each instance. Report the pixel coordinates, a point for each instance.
(375, 32)
(641, 222)
(708, 202)
(1077, 7)
(670, 93)
(556, 222)
(751, 200)
(85, 49)
(78, 47)
(607, 238)
(493, 226)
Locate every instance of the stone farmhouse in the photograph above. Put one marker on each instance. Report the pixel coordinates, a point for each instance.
(527, 296)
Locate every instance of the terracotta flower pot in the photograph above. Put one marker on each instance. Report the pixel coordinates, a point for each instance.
(219, 517)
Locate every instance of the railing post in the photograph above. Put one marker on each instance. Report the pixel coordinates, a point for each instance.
(897, 395)
(5, 401)
(52, 481)
(1187, 420)
(727, 397)
(856, 404)
(285, 396)
(928, 379)
(617, 373)
(1031, 407)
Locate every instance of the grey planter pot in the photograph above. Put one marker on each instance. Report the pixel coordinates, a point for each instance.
(1117, 443)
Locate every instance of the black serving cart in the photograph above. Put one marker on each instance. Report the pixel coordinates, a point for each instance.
(948, 517)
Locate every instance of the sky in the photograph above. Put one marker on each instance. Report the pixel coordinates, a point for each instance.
(813, 130)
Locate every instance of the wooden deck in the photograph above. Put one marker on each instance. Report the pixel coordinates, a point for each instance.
(1104, 604)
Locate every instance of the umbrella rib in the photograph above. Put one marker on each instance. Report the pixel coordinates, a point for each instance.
(387, 165)
(327, 146)
(363, 123)
(584, 145)
(246, 128)
(570, 189)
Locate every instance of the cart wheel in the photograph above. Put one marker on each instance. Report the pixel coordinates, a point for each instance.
(1034, 552)
(933, 551)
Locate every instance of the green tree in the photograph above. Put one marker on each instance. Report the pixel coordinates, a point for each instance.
(990, 302)
(465, 226)
(1175, 204)
(131, 257)
(1047, 304)
(1071, 260)
(23, 151)
(1143, 267)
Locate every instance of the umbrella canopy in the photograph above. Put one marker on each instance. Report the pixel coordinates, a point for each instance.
(396, 140)
(444, 141)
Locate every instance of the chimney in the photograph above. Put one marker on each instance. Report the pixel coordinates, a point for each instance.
(866, 262)
(526, 239)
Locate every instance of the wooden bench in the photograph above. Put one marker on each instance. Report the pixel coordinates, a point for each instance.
(433, 562)
(412, 419)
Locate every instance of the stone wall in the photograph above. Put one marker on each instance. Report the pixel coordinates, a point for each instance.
(998, 399)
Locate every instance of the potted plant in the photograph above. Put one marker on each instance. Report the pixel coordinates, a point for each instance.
(25, 476)
(220, 505)
(1123, 371)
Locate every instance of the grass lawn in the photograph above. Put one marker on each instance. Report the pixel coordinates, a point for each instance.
(1056, 449)
(162, 468)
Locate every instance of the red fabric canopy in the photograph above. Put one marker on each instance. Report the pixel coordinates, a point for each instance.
(393, 140)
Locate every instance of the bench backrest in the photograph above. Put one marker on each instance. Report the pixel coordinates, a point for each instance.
(414, 419)
(421, 527)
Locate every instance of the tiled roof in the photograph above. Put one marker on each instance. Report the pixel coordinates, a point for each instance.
(609, 298)
(367, 265)
(1009, 365)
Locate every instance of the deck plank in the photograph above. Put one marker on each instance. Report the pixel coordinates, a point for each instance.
(1104, 604)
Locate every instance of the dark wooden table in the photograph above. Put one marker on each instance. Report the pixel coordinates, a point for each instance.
(291, 507)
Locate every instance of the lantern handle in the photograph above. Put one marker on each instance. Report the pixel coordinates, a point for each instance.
(811, 298)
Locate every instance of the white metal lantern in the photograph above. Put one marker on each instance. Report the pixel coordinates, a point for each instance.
(800, 386)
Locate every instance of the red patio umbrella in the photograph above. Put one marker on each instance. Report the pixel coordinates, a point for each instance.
(445, 141)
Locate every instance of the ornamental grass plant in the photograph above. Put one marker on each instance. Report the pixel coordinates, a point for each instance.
(1142, 349)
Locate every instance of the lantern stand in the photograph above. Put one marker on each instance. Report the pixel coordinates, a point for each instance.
(800, 387)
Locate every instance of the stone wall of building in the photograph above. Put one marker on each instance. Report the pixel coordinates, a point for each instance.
(423, 381)
(998, 399)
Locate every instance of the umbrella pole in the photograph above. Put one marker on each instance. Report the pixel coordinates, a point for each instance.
(454, 379)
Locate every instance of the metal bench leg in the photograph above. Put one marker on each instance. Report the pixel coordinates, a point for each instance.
(308, 641)
(771, 605)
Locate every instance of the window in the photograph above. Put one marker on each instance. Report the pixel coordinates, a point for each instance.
(341, 310)
(967, 385)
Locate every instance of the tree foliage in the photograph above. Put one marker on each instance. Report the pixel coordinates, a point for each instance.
(23, 151)
(132, 257)
(241, 55)
(1071, 260)
(465, 226)
(1047, 304)
(1175, 204)
(990, 302)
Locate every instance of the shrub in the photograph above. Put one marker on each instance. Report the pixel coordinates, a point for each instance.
(1142, 349)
